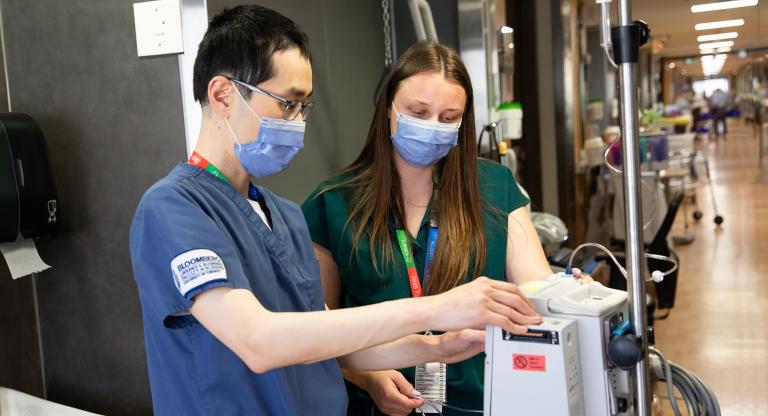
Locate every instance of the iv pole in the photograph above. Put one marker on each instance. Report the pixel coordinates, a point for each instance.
(624, 43)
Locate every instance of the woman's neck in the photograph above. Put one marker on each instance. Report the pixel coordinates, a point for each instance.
(415, 182)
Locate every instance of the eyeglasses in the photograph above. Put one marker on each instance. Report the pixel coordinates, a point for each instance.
(291, 108)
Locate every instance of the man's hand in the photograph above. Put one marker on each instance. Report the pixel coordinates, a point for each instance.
(480, 303)
(459, 345)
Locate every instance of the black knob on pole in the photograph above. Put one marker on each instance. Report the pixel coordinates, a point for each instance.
(625, 351)
(645, 31)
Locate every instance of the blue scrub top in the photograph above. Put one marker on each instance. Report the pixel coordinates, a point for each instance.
(193, 232)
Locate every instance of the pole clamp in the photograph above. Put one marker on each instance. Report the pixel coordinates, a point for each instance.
(627, 41)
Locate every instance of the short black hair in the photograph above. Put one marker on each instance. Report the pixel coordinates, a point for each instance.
(240, 42)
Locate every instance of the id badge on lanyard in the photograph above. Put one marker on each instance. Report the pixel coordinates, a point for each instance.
(430, 378)
(431, 383)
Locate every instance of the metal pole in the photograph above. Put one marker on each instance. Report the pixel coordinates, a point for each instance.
(760, 150)
(633, 216)
(760, 111)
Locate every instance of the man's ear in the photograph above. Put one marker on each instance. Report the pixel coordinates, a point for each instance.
(221, 93)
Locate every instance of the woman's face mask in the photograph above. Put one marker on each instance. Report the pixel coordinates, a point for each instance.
(423, 143)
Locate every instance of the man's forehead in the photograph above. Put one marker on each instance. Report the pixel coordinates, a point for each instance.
(293, 73)
(290, 61)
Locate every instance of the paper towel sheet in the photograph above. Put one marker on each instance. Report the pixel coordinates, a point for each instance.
(22, 257)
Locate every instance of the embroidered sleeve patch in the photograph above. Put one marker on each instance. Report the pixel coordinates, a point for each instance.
(195, 268)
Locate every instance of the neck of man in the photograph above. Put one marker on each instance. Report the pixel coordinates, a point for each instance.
(415, 182)
(215, 144)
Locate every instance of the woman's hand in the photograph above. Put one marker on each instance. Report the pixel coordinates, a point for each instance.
(390, 391)
(583, 278)
(480, 303)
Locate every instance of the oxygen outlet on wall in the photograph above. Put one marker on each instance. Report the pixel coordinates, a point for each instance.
(158, 27)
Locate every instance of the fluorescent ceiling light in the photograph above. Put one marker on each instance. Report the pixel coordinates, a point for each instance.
(506, 29)
(717, 36)
(720, 24)
(714, 45)
(706, 51)
(723, 50)
(712, 64)
(722, 5)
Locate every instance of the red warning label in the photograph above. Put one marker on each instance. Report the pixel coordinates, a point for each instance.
(529, 362)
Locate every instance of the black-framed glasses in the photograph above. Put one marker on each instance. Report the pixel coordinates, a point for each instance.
(291, 108)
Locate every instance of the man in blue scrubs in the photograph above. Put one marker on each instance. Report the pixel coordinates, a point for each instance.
(234, 319)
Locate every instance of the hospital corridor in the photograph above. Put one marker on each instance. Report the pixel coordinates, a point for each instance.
(715, 329)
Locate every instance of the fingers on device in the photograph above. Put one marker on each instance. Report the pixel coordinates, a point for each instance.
(560, 367)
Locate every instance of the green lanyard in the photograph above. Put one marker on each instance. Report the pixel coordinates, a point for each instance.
(405, 249)
(198, 160)
(413, 275)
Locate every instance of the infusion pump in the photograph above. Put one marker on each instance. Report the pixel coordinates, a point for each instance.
(567, 365)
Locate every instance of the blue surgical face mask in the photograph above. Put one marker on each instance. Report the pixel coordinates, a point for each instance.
(423, 143)
(276, 145)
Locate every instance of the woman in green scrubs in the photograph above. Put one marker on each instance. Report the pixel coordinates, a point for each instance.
(417, 188)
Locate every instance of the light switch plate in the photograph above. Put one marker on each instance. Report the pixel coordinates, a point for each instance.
(158, 27)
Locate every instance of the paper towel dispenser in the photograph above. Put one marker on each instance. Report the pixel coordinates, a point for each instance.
(28, 200)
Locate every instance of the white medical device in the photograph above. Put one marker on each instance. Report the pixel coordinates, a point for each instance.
(535, 373)
(600, 315)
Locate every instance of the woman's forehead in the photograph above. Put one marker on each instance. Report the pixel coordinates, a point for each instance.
(431, 88)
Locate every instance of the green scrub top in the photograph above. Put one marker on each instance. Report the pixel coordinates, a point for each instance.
(327, 216)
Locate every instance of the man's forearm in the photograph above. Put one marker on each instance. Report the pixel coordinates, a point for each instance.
(317, 336)
(404, 352)
(267, 340)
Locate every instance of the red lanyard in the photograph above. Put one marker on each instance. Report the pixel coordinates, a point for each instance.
(405, 249)
(413, 275)
(198, 160)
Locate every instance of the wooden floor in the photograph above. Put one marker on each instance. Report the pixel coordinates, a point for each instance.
(719, 325)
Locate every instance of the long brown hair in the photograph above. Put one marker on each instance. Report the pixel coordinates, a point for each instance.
(374, 185)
